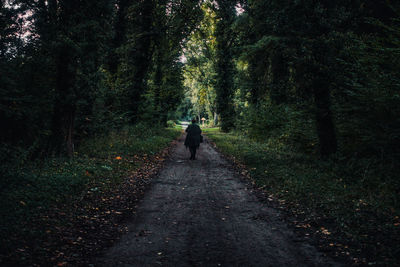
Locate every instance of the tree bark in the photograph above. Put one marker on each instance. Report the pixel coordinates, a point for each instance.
(157, 88)
(63, 118)
(325, 125)
(119, 38)
(141, 55)
(279, 71)
(224, 65)
(69, 138)
(215, 118)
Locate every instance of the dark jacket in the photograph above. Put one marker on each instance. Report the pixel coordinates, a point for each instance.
(193, 135)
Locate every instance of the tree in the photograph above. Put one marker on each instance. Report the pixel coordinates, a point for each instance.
(288, 52)
(226, 13)
(200, 74)
(175, 21)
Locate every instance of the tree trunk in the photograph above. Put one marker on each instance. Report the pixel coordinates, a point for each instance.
(64, 105)
(113, 58)
(324, 120)
(215, 119)
(224, 66)
(141, 55)
(63, 122)
(279, 71)
(157, 90)
(70, 122)
(164, 119)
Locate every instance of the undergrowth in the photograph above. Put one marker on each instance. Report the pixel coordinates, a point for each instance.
(353, 202)
(32, 189)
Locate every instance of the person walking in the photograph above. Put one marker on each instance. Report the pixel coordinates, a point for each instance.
(193, 138)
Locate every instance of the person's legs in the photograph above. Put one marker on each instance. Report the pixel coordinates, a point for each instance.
(192, 152)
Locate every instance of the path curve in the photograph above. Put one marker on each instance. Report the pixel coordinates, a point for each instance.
(199, 213)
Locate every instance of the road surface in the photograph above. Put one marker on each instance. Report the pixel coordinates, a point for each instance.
(200, 213)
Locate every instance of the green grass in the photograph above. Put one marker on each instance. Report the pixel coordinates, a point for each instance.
(356, 200)
(100, 164)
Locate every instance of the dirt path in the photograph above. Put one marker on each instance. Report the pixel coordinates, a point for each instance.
(199, 213)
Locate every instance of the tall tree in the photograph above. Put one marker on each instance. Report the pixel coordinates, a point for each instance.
(9, 29)
(138, 52)
(226, 13)
(291, 39)
(119, 34)
(74, 33)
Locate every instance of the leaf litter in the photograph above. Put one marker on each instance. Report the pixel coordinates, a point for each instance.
(75, 233)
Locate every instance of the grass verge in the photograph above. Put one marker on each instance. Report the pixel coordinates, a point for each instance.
(51, 210)
(350, 206)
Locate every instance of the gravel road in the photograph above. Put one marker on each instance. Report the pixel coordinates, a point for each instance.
(200, 213)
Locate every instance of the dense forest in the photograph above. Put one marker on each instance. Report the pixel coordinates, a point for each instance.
(71, 69)
(317, 77)
(309, 72)
(318, 74)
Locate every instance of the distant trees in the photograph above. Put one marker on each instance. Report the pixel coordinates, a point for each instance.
(200, 67)
(210, 68)
(149, 69)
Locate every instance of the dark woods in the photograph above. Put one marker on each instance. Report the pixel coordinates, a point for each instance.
(321, 76)
(309, 91)
(317, 75)
(320, 63)
(74, 69)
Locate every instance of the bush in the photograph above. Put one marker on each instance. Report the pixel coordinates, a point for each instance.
(285, 125)
(171, 124)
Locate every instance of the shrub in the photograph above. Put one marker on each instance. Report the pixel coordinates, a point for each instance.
(171, 124)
